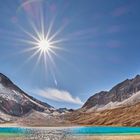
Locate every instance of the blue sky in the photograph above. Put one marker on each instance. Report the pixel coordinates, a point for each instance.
(99, 47)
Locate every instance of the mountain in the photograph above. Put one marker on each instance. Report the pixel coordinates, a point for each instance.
(117, 107)
(18, 107)
(119, 95)
(64, 110)
(15, 102)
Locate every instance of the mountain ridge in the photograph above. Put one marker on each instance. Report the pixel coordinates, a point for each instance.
(15, 102)
(118, 106)
(8, 82)
(118, 93)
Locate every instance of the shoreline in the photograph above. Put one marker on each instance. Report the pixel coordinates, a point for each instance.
(59, 126)
(136, 137)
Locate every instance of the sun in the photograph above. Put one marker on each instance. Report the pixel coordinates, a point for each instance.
(44, 45)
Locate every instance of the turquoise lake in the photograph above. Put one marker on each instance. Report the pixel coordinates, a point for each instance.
(57, 133)
(106, 130)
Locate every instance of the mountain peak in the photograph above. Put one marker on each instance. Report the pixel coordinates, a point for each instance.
(2, 75)
(137, 76)
(14, 101)
(118, 93)
(4, 80)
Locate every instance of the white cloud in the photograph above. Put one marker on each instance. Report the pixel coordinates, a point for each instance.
(59, 95)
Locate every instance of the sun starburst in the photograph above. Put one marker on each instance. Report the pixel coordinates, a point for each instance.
(42, 48)
(41, 40)
(44, 45)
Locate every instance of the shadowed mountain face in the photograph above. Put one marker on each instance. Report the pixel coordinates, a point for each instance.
(118, 93)
(15, 102)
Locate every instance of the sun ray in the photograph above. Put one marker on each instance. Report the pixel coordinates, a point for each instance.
(29, 34)
(26, 41)
(29, 50)
(58, 41)
(51, 59)
(34, 54)
(42, 22)
(56, 33)
(50, 28)
(53, 52)
(38, 59)
(42, 43)
(35, 30)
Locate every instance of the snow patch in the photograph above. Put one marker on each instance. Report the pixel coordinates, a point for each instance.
(9, 94)
(135, 98)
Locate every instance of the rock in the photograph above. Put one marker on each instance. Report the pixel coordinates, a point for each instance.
(118, 93)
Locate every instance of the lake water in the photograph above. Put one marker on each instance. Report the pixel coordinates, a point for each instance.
(70, 133)
(106, 130)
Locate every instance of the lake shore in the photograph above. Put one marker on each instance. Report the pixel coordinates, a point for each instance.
(135, 137)
(128, 137)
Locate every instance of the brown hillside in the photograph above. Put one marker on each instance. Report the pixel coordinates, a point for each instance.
(123, 116)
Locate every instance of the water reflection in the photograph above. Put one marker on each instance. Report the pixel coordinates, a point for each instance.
(48, 134)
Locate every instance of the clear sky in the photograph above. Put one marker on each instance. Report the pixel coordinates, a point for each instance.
(95, 45)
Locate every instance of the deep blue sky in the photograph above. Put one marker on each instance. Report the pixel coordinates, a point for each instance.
(102, 46)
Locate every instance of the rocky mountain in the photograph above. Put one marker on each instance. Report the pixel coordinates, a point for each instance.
(117, 107)
(14, 102)
(64, 110)
(119, 95)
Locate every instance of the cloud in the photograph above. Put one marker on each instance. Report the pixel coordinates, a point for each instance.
(59, 95)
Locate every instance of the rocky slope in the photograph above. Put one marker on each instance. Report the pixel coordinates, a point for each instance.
(15, 102)
(16, 106)
(116, 96)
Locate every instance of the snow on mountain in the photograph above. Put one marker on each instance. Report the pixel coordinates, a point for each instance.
(135, 98)
(15, 102)
(123, 94)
